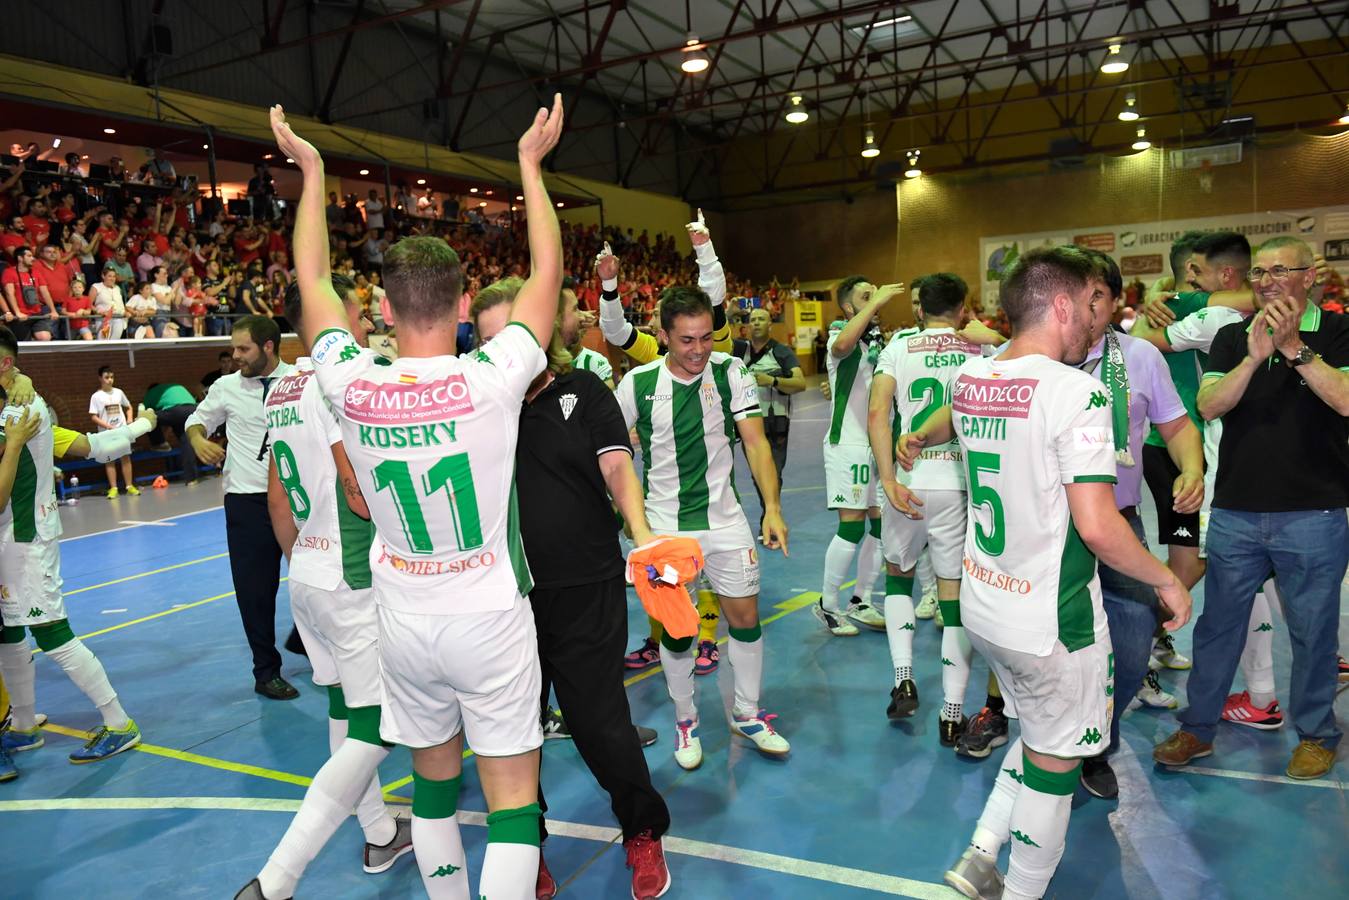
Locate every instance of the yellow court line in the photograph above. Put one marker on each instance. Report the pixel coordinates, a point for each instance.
(94, 587)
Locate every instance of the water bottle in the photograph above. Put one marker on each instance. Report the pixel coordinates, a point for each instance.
(74, 497)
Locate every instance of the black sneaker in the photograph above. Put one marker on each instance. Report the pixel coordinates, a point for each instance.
(1098, 778)
(950, 732)
(277, 688)
(903, 701)
(983, 733)
(646, 736)
(554, 726)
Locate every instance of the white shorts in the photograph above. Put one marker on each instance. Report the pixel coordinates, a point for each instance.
(730, 559)
(849, 477)
(942, 530)
(1064, 700)
(30, 583)
(477, 673)
(340, 629)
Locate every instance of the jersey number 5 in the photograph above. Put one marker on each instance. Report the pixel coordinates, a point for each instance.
(991, 542)
(451, 472)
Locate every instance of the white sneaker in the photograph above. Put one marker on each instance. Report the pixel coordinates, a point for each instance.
(927, 607)
(1151, 694)
(1165, 656)
(759, 729)
(688, 748)
(865, 614)
(837, 624)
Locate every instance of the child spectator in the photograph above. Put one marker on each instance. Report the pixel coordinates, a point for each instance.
(140, 311)
(109, 408)
(77, 303)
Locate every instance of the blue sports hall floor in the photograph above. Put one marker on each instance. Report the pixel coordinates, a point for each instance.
(861, 809)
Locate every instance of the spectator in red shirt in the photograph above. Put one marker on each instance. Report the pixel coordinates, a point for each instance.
(24, 299)
(38, 223)
(77, 303)
(65, 213)
(110, 237)
(247, 244)
(14, 237)
(53, 282)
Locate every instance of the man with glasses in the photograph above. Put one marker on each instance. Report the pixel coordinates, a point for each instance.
(1280, 380)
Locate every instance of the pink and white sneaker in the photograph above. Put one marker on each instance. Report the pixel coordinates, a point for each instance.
(759, 729)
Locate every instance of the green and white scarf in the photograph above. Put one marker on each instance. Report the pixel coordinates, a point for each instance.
(1116, 379)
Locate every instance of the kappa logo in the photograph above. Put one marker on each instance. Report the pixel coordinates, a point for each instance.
(444, 871)
(1015, 776)
(839, 498)
(1090, 737)
(568, 404)
(1024, 838)
(1097, 400)
(1264, 626)
(34, 612)
(1182, 531)
(946, 662)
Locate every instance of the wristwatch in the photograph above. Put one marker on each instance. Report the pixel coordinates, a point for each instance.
(1303, 356)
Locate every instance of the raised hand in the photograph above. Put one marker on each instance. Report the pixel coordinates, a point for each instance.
(698, 232)
(606, 264)
(543, 134)
(887, 292)
(294, 146)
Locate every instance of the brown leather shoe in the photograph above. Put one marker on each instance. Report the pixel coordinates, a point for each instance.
(1310, 760)
(1180, 749)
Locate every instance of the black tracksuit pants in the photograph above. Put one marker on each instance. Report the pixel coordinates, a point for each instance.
(583, 633)
(255, 566)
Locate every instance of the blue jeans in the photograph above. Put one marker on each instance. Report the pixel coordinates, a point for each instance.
(1131, 610)
(1308, 551)
(217, 326)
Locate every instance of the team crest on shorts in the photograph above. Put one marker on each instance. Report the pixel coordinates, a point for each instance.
(568, 404)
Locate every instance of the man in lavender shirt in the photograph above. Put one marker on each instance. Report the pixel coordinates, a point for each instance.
(1131, 607)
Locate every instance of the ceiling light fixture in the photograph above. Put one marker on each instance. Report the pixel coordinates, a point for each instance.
(482, 203)
(206, 146)
(487, 193)
(693, 58)
(109, 130)
(1130, 111)
(560, 204)
(289, 160)
(797, 115)
(913, 171)
(1114, 62)
(266, 156)
(519, 196)
(473, 190)
(421, 181)
(869, 148)
(365, 171)
(1344, 119)
(1142, 143)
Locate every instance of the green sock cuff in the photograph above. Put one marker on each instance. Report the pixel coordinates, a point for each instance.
(676, 645)
(11, 634)
(852, 531)
(898, 585)
(363, 725)
(746, 635)
(950, 613)
(514, 826)
(53, 634)
(337, 703)
(1060, 784)
(433, 799)
(874, 528)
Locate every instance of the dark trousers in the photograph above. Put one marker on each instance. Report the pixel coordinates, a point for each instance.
(175, 419)
(583, 632)
(255, 567)
(776, 429)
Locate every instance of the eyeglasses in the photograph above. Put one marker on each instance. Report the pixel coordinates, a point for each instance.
(1278, 273)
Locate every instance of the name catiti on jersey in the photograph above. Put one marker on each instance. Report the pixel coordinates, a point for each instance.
(924, 366)
(850, 391)
(31, 513)
(432, 441)
(333, 544)
(1029, 426)
(687, 432)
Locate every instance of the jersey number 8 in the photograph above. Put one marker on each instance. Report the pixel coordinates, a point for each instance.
(289, 476)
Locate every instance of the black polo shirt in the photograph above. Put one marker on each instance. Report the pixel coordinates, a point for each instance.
(1283, 448)
(566, 519)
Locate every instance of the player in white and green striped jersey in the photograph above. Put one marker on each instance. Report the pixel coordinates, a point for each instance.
(688, 408)
(582, 357)
(851, 355)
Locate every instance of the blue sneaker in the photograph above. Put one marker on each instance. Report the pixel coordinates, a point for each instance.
(8, 771)
(106, 742)
(16, 741)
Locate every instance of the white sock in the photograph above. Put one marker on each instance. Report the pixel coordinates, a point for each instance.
(438, 849)
(925, 579)
(899, 627)
(374, 816)
(956, 654)
(509, 871)
(1257, 659)
(995, 821)
(1039, 830)
(868, 568)
(16, 665)
(746, 659)
(837, 560)
(79, 662)
(337, 733)
(328, 801)
(678, 668)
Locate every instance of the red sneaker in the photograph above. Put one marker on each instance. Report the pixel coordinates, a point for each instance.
(708, 658)
(644, 657)
(1344, 671)
(1240, 711)
(545, 887)
(650, 877)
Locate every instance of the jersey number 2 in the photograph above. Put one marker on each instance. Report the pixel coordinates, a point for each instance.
(450, 472)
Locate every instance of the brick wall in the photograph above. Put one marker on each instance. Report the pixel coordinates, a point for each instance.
(66, 374)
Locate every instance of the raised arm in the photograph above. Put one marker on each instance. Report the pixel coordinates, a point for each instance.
(858, 324)
(322, 308)
(536, 303)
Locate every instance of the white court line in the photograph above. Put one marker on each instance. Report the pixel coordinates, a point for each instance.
(893, 885)
(107, 612)
(799, 490)
(127, 527)
(1268, 779)
(162, 524)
